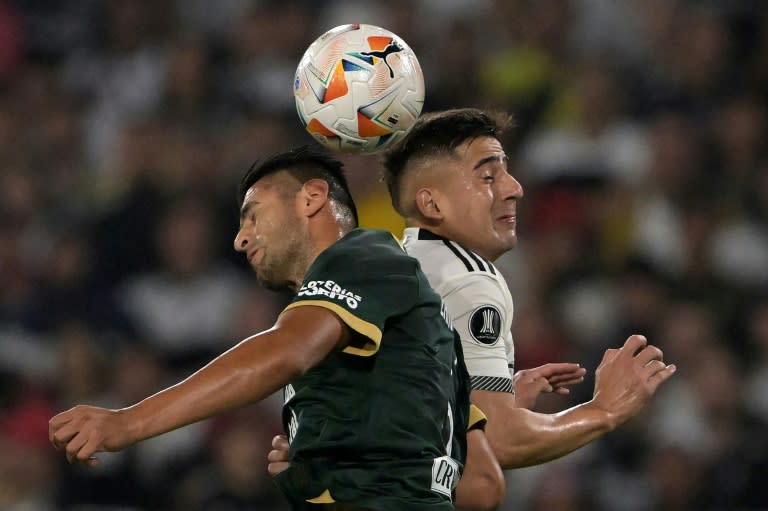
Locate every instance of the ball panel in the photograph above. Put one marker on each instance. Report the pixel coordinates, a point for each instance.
(338, 85)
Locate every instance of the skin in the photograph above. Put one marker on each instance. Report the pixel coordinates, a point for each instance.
(470, 197)
(284, 226)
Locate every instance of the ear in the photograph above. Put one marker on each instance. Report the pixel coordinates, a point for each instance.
(427, 204)
(313, 196)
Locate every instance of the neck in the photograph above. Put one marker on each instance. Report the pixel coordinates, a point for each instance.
(318, 243)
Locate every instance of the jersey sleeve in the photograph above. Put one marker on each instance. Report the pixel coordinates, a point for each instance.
(476, 305)
(363, 296)
(477, 418)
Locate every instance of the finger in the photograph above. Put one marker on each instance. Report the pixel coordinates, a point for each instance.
(568, 377)
(661, 376)
(64, 435)
(277, 455)
(633, 344)
(649, 353)
(55, 425)
(543, 386)
(553, 369)
(86, 453)
(58, 431)
(563, 391)
(276, 468)
(609, 355)
(653, 367)
(573, 381)
(280, 442)
(74, 446)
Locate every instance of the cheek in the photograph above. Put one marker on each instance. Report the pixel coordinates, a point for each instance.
(264, 229)
(477, 205)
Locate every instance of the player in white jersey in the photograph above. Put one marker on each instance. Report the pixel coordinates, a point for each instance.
(480, 304)
(449, 179)
(476, 295)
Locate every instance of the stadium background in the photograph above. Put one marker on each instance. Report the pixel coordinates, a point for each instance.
(640, 140)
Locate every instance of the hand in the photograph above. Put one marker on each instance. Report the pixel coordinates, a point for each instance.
(83, 431)
(627, 377)
(529, 383)
(278, 456)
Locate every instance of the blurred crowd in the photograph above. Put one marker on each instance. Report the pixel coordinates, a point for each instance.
(640, 141)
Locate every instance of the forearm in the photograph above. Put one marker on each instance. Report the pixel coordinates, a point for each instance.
(521, 438)
(248, 372)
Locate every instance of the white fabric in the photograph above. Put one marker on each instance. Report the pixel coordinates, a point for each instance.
(468, 285)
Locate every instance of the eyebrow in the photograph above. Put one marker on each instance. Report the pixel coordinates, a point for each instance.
(489, 159)
(246, 208)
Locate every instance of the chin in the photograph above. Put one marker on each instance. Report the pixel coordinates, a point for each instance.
(505, 245)
(273, 285)
(270, 280)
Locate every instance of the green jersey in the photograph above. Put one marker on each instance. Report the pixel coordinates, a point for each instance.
(382, 423)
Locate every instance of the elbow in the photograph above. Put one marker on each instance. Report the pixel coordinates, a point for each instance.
(481, 491)
(290, 365)
(489, 494)
(495, 491)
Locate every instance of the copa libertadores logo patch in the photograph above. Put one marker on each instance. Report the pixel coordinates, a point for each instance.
(485, 324)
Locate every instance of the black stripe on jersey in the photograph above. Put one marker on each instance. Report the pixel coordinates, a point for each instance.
(428, 235)
(475, 258)
(459, 255)
(482, 263)
(492, 383)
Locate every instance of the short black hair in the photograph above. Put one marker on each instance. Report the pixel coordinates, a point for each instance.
(304, 163)
(439, 133)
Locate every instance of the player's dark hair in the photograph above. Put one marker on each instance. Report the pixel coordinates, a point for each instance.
(439, 133)
(305, 163)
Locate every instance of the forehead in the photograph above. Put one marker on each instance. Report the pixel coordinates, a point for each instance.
(270, 185)
(256, 190)
(478, 148)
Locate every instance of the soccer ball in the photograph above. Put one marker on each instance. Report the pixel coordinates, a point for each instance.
(358, 88)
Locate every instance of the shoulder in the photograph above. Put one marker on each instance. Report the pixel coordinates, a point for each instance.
(443, 260)
(365, 249)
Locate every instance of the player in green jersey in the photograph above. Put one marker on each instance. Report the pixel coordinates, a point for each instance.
(376, 390)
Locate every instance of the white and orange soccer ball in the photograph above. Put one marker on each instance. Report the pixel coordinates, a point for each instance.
(358, 88)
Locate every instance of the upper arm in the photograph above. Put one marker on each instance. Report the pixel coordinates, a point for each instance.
(308, 334)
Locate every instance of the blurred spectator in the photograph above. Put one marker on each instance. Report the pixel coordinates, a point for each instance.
(234, 476)
(601, 141)
(185, 307)
(27, 466)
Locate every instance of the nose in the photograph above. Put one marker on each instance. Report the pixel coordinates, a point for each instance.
(512, 188)
(241, 241)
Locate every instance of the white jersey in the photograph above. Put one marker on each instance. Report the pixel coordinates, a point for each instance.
(477, 299)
